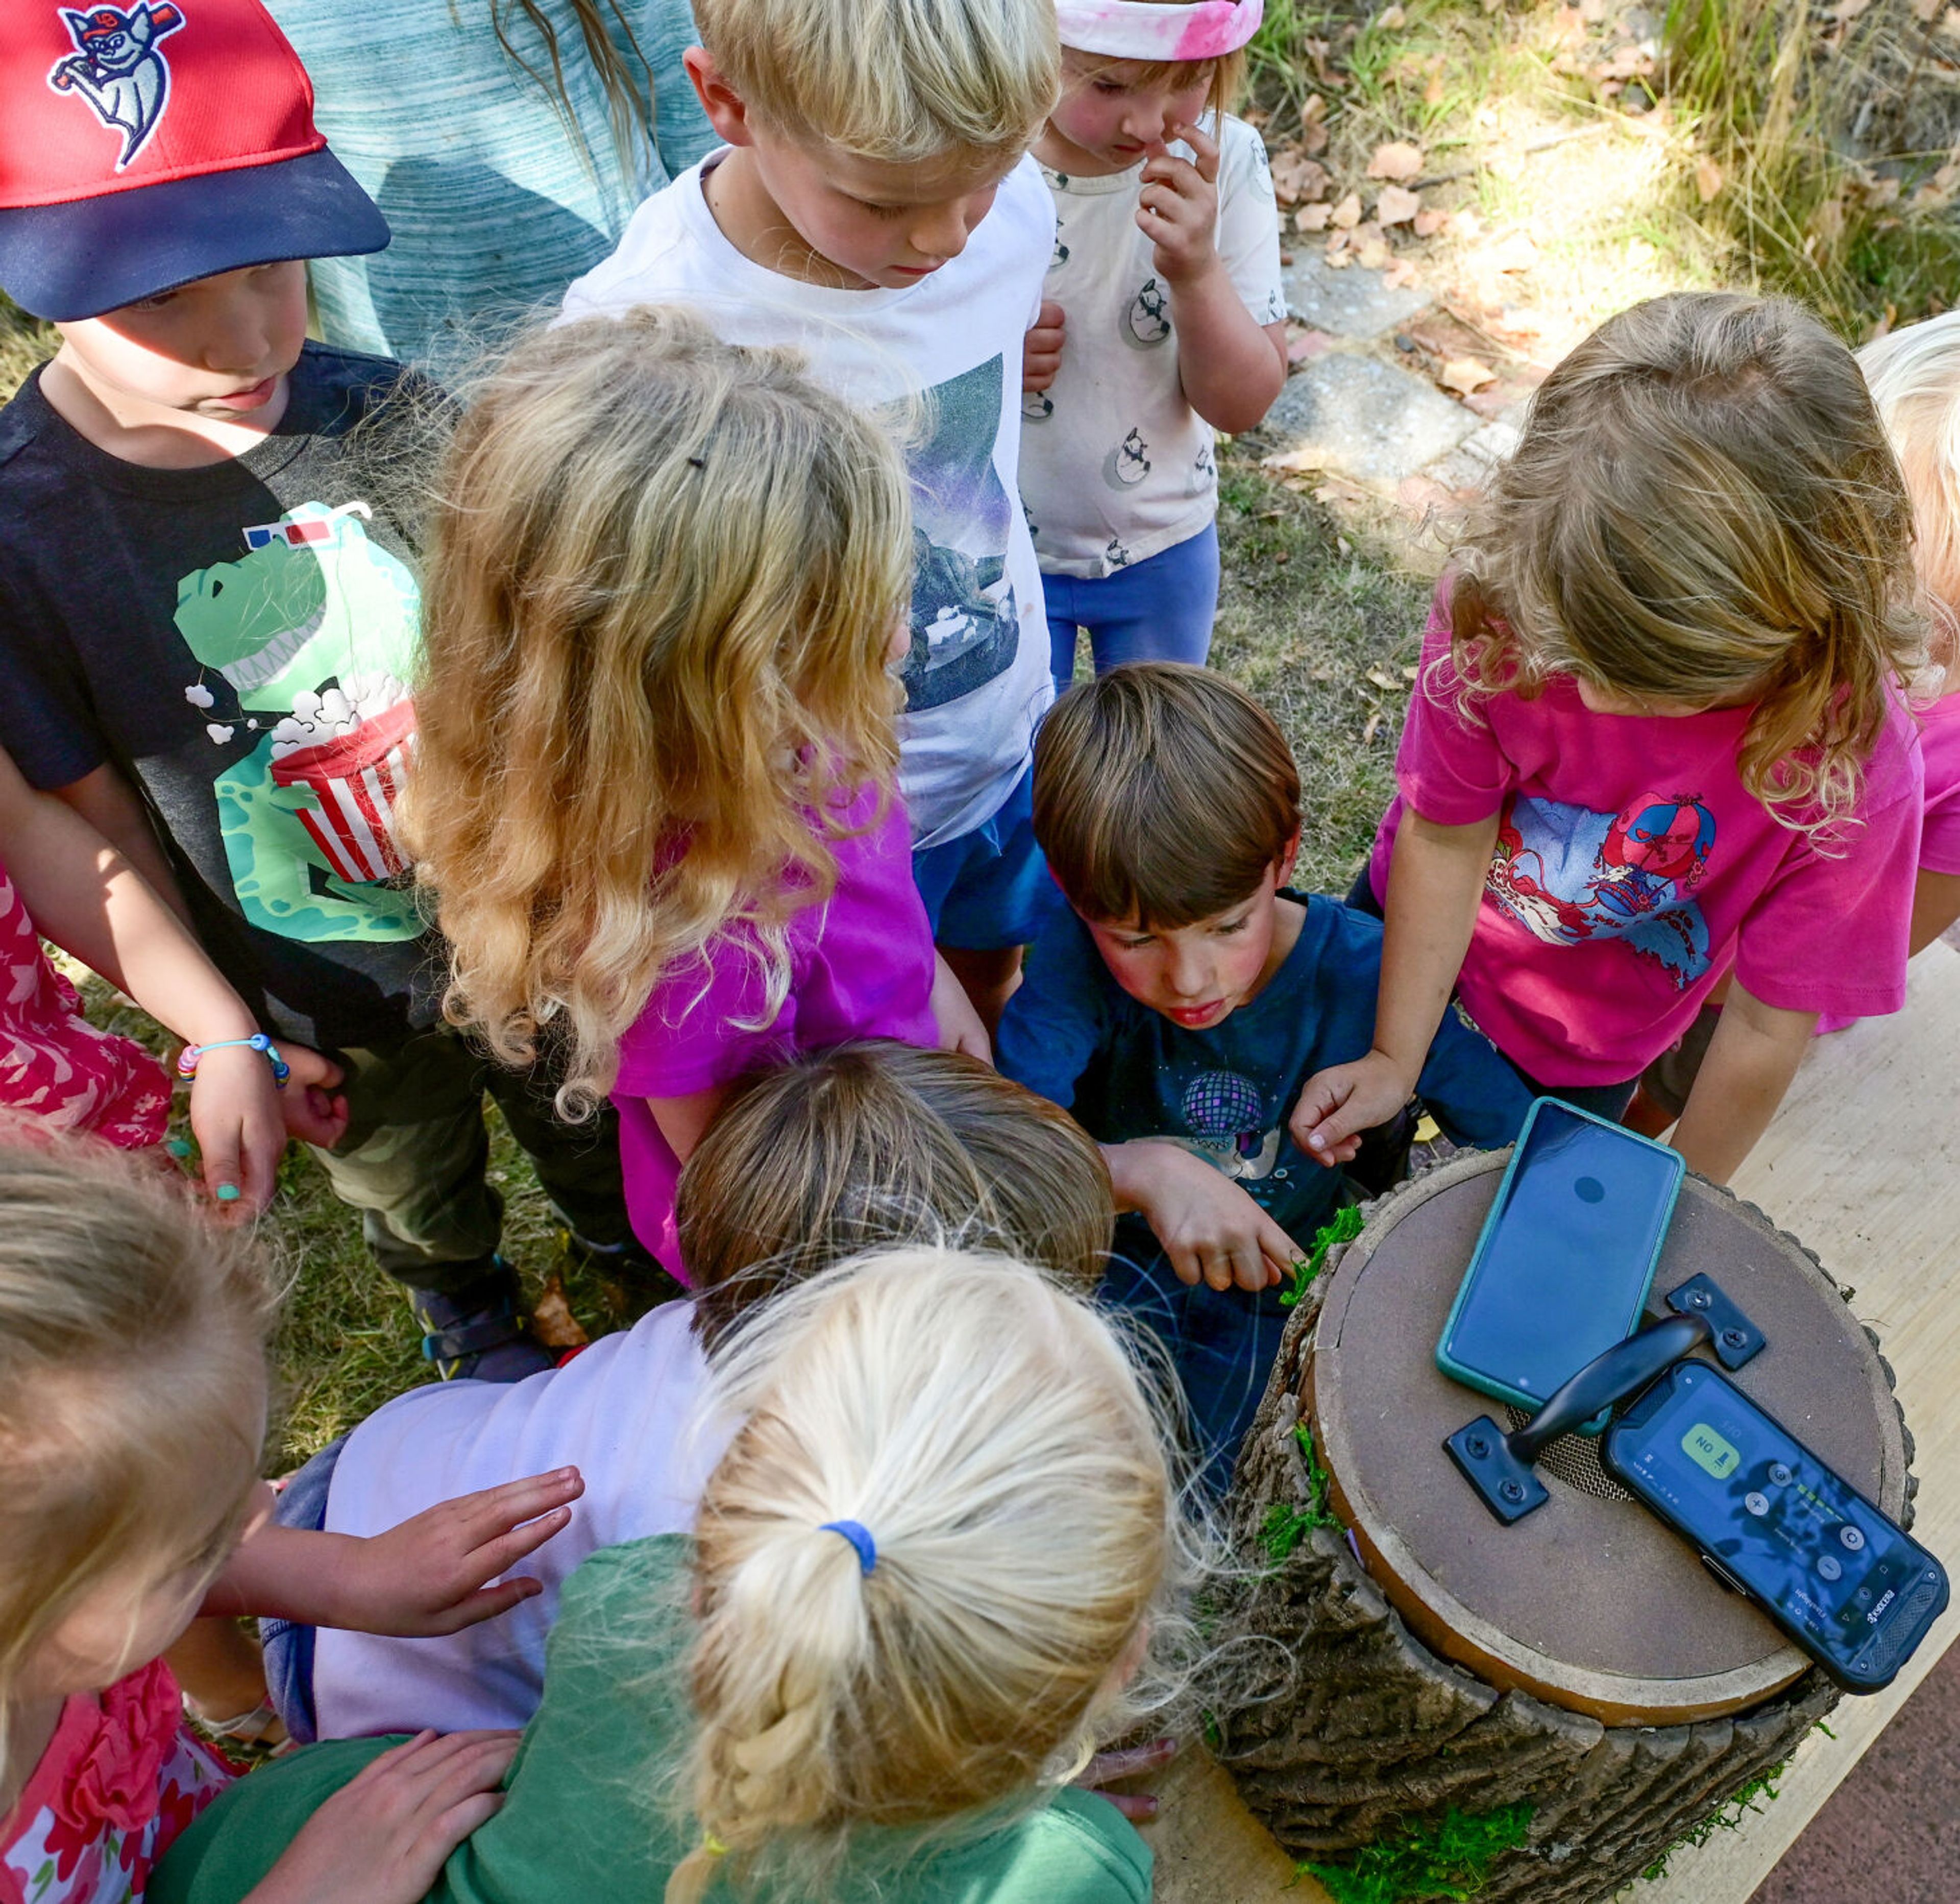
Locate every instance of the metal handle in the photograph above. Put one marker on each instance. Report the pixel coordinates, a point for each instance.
(1611, 1377)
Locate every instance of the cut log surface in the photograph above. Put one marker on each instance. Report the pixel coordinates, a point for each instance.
(1366, 1727)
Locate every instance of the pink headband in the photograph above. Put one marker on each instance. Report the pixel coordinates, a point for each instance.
(1136, 30)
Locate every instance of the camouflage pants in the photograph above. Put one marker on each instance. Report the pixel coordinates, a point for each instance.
(414, 1157)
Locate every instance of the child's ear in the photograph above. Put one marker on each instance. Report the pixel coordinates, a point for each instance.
(727, 112)
(1287, 854)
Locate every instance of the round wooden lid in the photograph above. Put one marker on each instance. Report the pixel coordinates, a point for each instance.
(1589, 1603)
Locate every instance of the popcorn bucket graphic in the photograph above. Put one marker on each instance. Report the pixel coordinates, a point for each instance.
(355, 780)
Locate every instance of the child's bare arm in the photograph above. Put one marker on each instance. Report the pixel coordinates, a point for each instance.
(1231, 365)
(1436, 883)
(1936, 905)
(110, 805)
(1751, 1060)
(683, 1122)
(423, 1578)
(1041, 349)
(383, 1838)
(1211, 1230)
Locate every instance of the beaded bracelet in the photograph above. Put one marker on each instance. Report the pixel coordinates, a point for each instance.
(187, 1058)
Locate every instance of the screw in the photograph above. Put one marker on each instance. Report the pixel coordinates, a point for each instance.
(1512, 1491)
(1699, 1299)
(1476, 1447)
(1734, 1338)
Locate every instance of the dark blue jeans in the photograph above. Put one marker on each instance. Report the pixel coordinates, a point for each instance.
(1221, 1343)
(289, 1648)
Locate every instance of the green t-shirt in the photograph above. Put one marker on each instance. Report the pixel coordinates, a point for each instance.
(580, 1822)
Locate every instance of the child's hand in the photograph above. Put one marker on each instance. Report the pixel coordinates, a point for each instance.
(1132, 1761)
(426, 1576)
(314, 1109)
(1340, 1102)
(1040, 349)
(1211, 1230)
(383, 1837)
(960, 1026)
(1177, 209)
(234, 1116)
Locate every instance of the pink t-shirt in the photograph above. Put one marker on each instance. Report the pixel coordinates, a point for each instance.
(53, 1062)
(1632, 869)
(861, 966)
(120, 1779)
(1939, 739)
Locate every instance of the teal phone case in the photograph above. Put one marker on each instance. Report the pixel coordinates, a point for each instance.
(1485, 1382)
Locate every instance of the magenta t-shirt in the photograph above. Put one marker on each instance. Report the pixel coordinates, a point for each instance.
(861, 966)
(1939, 737)
(1632, 868)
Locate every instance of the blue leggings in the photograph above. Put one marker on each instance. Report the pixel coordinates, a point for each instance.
(1160, 608)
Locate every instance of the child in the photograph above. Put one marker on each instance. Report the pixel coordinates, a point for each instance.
(653, 793)
(132, 1402)
(1180, 1004)
(1659, 730)
(930, 1571)
(873, 206)
(67, 883)
(208, 589)
(862, 1144)
(1164, 320)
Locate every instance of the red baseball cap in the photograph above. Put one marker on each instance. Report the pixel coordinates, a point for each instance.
(144, 144)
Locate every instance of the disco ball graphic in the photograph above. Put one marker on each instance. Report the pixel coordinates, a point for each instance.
(1222, 1104)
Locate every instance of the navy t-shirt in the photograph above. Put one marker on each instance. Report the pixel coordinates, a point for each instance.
(237, 641)
(1071, 1033)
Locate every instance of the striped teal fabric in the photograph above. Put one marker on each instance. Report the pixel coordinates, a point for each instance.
(496, 204)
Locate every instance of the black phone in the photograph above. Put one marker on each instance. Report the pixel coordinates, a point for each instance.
(1561, 1270)
(1848, 1584)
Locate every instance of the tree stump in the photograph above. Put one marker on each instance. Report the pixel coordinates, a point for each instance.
(1582, 1662)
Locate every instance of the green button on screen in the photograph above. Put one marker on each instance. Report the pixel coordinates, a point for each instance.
(1707, 1449)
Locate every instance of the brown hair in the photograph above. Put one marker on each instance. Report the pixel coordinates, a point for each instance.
(129, 1327)
(1162, 794)
(1704, 510)
(877, 1142)
(628, 86)
(665, 577)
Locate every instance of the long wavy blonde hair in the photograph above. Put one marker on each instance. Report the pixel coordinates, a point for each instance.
(1704, 510)
(989, 1430)
(666, 575)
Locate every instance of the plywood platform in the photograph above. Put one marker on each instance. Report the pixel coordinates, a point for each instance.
(1863, 1163)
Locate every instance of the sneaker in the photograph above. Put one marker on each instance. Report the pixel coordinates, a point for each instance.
(476, 1334)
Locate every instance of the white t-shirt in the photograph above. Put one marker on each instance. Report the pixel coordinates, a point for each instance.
(977, 680)
(1115, 465)
(622, 1412)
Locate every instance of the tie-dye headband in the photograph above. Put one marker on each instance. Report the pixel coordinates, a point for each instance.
(1136, 30)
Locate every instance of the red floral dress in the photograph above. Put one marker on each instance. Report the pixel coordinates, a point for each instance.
(122, 1775)
(54, 1062)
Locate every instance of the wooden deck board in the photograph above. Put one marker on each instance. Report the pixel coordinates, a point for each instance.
(1863, 1163)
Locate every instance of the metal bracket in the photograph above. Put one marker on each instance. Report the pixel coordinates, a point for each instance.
(1498, 1465)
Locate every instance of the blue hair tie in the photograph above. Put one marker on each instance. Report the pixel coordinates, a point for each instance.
(860, 1537)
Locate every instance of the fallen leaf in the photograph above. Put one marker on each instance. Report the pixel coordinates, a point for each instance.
(1304, 343)
(1515, 251)
(1374, 255)
(1285, 462)
(1339, 260)
(552, 1319)
(1337, 242)
(1296, 178)
(1313, 110)
(1373, 727)
(1396, 161)
(1950, 27)
(1348, 214)
(1313, 139)
(1381, 680)
(1468, 223)
(1428, 224)
(1707, 179)
(1465, 375)
(1400, 276)
(1388, 19)
(1435, 92)
(1312, 217)
(1396, 205)
(1926, 11)
(1846, 11)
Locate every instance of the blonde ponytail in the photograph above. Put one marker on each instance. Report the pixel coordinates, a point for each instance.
(1009, 1523)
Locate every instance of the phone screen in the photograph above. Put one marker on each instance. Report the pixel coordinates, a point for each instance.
(1850, 1584)
(1563, 1270)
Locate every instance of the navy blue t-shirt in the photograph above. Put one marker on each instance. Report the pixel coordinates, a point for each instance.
(1071, 1033)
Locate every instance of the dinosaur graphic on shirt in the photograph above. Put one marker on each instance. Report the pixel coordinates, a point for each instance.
(314, 632)
(118, 69)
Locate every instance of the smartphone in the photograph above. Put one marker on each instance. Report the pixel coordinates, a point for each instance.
(1561, 1270)
(1850, 1586)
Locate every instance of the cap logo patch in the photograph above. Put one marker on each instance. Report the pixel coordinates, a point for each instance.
(119, 68)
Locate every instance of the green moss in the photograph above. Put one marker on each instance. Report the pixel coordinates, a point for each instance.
(1448, 1859)
(1284, 1527)
(1726, 1816)
(1345, 1227)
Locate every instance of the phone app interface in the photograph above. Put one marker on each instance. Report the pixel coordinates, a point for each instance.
(1565, 1264)
(1763, 1505)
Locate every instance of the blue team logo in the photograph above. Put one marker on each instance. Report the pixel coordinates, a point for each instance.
(1569, 876)
(117, 67)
